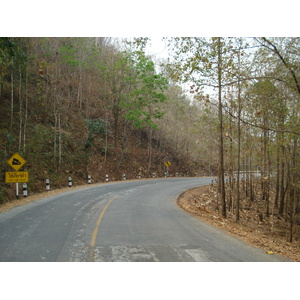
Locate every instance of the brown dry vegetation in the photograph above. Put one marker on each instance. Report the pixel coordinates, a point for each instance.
(270, 233)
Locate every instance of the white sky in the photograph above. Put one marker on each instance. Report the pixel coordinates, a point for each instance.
(157, 47)
(156, 18)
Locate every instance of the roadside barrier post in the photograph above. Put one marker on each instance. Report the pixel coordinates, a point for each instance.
(106, 177)
(70, 181)
(24, 189)
(47, 184)
(89, 179)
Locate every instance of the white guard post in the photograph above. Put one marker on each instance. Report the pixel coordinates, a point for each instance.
(47, 184)
(24, 189)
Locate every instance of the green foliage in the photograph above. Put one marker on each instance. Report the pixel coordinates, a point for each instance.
(68, 53)
(9, 139)
(7, 51)
(95, 127)
(148, 91)
(13, 54)
(40, 145)
(7, 47)
(98, 126)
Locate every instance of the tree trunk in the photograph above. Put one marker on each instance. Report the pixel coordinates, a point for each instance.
(277, 176)
(26, 112)
(59, 142)
(237, 208)
(221, 142)
(150, 149)
(54, 141)
(124, 143)
(293, 190)
(21, 110)
(116, 112)
(251, 188)
(282, 188)
(231, 185)
(12, 99)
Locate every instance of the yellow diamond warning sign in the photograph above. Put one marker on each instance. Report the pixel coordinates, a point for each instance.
(11, 177)
(16, 162)
(167, 163)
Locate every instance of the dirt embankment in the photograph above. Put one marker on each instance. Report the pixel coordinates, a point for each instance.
(271, 234)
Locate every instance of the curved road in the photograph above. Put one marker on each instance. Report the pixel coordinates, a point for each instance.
(120, 221)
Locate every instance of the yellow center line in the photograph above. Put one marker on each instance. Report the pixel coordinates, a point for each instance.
(95, 232)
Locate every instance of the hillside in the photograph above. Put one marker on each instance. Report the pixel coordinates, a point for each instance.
(72, 108)
(75, 162)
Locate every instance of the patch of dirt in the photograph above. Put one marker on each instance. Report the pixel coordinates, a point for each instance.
(267, 234)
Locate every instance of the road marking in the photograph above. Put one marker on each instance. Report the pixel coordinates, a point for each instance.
(95, 232)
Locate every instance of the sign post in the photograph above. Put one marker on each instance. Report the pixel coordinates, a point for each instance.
(17, 190)
(17, 162)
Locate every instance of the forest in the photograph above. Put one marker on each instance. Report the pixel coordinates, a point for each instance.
(95, 106)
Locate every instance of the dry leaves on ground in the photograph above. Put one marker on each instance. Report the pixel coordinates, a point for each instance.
(202, 202)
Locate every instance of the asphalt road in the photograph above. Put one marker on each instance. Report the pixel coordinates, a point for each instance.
(130, 221)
